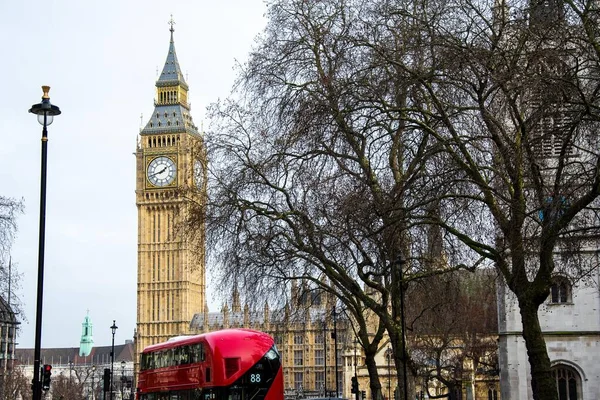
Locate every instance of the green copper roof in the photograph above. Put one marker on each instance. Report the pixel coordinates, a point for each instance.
(87, 341)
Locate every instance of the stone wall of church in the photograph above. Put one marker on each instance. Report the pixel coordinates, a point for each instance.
(572, 333)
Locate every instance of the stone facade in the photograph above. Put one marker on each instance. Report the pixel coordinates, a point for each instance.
(171, 282)
(572, 333)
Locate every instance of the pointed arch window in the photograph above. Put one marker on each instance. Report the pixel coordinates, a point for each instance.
(568, 382)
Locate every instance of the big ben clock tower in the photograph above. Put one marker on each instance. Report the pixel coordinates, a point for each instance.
(169, 159)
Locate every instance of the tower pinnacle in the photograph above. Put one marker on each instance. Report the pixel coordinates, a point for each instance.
(171, 112)
(171, 22)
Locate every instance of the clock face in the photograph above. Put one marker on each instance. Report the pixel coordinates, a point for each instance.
(161, 171)
(198, 174)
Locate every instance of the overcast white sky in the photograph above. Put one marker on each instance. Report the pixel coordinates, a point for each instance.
(100, 59)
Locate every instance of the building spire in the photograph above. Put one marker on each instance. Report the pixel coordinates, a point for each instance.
(171, 107)
(172, 29)
(171, 72)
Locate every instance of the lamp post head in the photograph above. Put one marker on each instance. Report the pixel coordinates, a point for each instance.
(114, 327)
(45, 110)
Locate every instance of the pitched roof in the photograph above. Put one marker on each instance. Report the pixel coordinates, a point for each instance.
(171, 73)
(61, 356)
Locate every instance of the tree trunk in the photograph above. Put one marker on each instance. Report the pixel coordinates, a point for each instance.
(543, 384)
(374, 382)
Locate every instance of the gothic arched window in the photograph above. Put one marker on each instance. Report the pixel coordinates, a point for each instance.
(568, 382)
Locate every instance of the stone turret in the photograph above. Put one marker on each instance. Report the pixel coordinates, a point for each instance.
(236, 305)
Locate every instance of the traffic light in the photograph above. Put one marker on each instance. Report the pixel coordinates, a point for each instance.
(46, 374)
(364, 394)
(354, 385)
(106, 379)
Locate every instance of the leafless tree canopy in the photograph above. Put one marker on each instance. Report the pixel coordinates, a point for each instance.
(9, 211)
(357, 128)
(453, 321)
(14, 384)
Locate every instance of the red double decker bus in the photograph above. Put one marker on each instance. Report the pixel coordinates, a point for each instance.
(231, 364)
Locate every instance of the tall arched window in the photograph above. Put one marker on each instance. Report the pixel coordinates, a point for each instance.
(568, 382)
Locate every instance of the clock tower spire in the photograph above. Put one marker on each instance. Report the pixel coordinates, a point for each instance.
(169, 156)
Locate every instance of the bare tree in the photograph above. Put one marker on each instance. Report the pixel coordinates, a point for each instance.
(67, 388)
(9, 275)
(351, 119)
(452, 323)
(9, 209)
(512, 95)
(315, 171)
(15, 385)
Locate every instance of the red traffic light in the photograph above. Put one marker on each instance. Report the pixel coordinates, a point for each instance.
(46, 373)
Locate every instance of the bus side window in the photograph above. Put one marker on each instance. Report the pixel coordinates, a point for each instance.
(198, 352)
(192, 354)
(177, 356)
(169, 358)
(162, 359)
(185, 359)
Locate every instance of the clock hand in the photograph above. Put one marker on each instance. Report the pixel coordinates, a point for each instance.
(159, 172)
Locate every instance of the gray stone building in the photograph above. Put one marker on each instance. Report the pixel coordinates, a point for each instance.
(570, 321)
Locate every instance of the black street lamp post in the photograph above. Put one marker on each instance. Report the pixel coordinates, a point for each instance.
(325, 355)
(45, 113)
(335, 353)
(113, 328)
(400, 265)
(355, 366)
(93, 373)
(122, 377)
(388, 355)
(70, 374)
